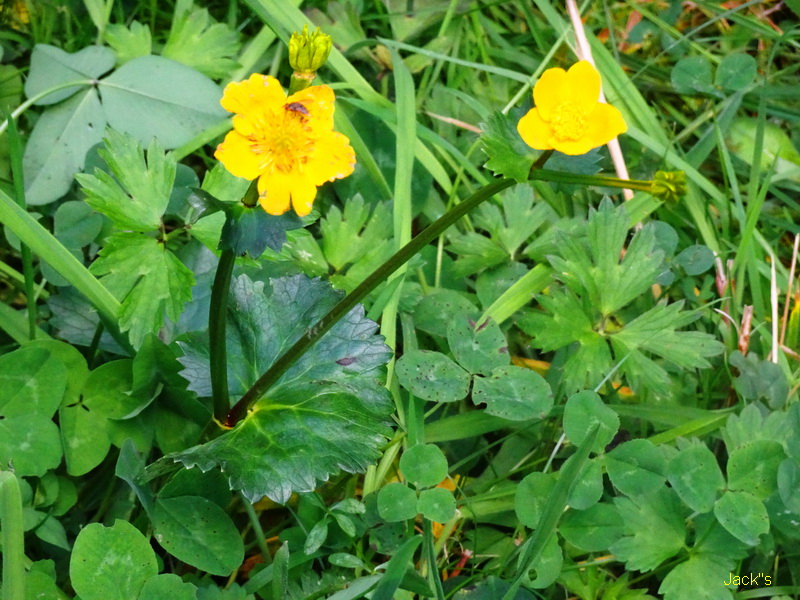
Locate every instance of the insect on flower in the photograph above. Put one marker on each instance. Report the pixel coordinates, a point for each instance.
(297, 107)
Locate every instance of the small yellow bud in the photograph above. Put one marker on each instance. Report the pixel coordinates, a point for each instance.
(669, 186)
(308, 52)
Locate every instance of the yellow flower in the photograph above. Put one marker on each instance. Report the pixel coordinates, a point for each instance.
(568, 115)
(287, 143)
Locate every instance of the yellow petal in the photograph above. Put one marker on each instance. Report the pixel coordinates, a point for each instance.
(303, 194)
(603, 124)
(236, 154)
(550, 91)
(535, 131)
(583, 86)
(319, 102)
(253, 95)
(273, 193)
(333, 158)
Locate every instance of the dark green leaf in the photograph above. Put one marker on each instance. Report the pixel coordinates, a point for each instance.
(424, 465)
(753, 467)
(691, 75)
(637, 467)
(743, 515)
(509, 156)
(735, 72)
(696, 477)
(594, 529)
(437, 504)
(167, 587)
(251, 230)
(585, 410)
(397, 502)
(432, 376)
(477, 349)
(513, 393)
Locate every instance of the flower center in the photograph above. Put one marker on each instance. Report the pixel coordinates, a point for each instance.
(568, 122)
(284, 144)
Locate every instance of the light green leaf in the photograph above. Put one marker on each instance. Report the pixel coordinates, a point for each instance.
(437, 504)
(198, 532)
(531, 497)
(654, 529)
(700, 578)
(111, 563)
(328, 412)
(582, 412)
(691, 75)
(30, 443)
(424, 465)
(636, 467)
(58, 145)
(32, 381)
(432, 376)
(397, 502)
(153, 96)
(594, 529)
(513, 393)
(735, 72)
(51, 66)
(753, 467)
(149, 280)
(479, 349)
(137, 195)
(588, 488)
(167, 587)
(129, 42)
(789, 484)
(743, 515)
(696, 477)
(197, 42)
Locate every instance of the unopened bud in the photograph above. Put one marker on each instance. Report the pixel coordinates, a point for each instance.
(309, 51)
(669, 186)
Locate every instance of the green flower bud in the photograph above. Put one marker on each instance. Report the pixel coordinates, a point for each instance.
(669, 186)
(308, 52)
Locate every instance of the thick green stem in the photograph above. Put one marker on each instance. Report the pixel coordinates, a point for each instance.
(217, 319)
(347, 303)
(13, 537)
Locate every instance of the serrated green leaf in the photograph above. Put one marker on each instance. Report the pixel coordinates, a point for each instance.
(654, 529)
(509, 156)
(51, 66)
(476, 252)
(198, 532)
(513, 393)
(700, 577)
(432, 376)
(149, 280)
(197, 42)
(137, 195)
(128, 42)
(328, 412)
(252, 230)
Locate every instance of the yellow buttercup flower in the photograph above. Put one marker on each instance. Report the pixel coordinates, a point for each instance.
(568, 115)
(288, 143)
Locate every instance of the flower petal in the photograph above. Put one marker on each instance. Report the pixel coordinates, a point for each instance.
(235, 152)
(274, 192)
(303, 194)
(550, 91)
(582, 86)
(603, 124)
(319, 102)
(333, 158)
(253, 95)
(535, 131)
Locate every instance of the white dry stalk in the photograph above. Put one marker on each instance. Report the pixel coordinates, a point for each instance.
(585, 53)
